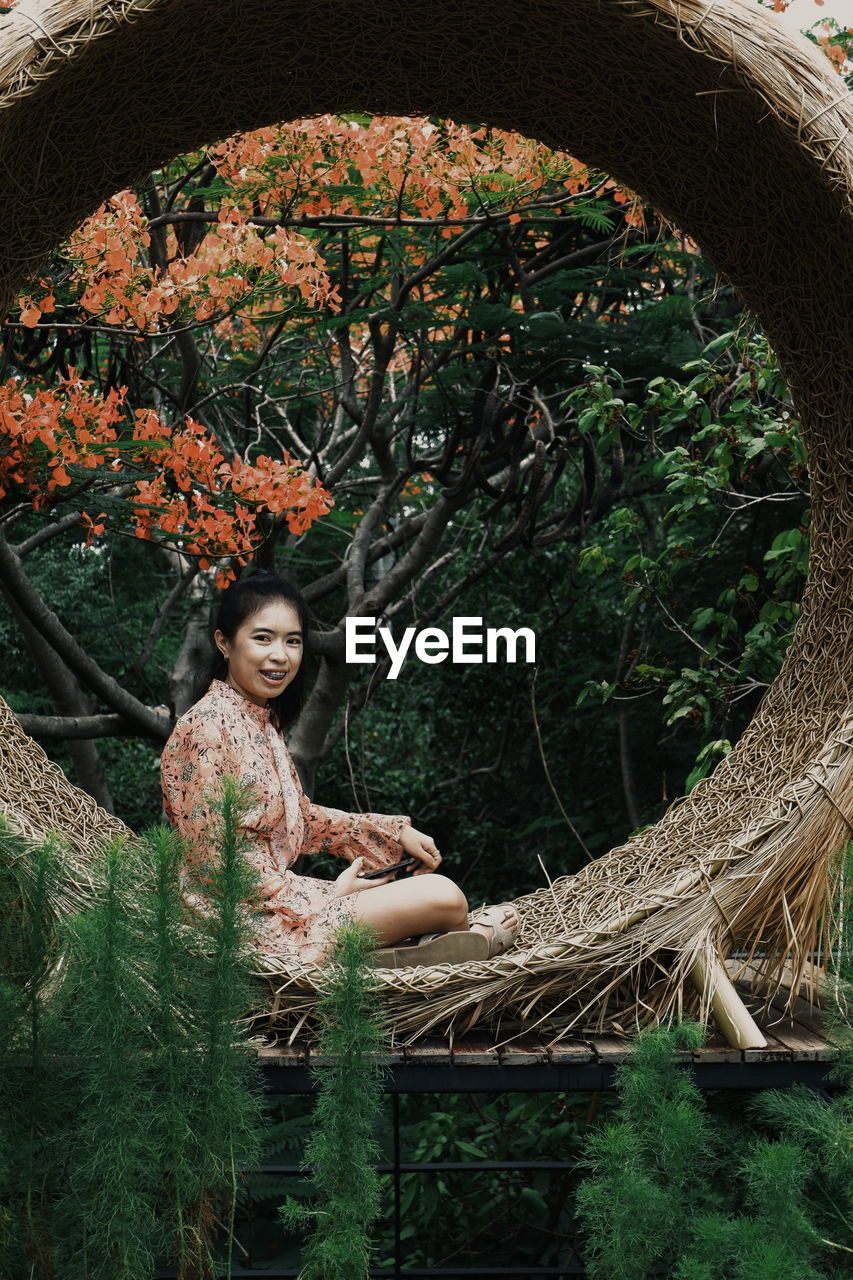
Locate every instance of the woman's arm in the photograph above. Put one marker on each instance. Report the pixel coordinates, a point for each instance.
(381, 839)
(373, 836)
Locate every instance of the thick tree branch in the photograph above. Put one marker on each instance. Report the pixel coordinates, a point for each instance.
(69, 700)
(476, 220)
(379, 596)
(162, 616)
(47, 532)
(360, 546)
(155, 724)
(189, 352)
(66, 728)
(406, 529)
(576, 259)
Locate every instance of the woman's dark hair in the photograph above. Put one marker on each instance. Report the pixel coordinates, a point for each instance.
(237, 603)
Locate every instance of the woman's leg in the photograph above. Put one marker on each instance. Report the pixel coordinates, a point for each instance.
(421, 904)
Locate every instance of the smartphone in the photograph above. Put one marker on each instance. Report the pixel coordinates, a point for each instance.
(406, 862)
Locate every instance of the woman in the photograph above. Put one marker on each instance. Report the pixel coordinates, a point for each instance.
(235, 729)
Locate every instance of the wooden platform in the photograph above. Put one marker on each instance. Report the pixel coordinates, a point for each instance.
(796, 1051)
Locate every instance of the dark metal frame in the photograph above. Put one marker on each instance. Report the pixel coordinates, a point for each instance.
(525, 1078)
(557, 1077)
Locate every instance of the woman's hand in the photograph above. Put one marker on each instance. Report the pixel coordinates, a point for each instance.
(421, 847)
(348, 882)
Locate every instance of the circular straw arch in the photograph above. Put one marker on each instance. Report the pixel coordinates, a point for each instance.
(742, 135)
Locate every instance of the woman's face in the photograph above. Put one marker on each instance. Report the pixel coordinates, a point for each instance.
(266, 652)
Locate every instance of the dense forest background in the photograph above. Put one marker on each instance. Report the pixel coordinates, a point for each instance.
(531, 401)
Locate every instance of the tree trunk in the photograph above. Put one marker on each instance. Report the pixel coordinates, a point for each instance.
(69, 700)
(626, 765)
(624, 668)
(191, 660)
(308, 737)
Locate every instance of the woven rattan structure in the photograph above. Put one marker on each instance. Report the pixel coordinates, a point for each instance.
(742, 135)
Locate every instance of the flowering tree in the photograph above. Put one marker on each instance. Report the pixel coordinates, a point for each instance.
(399, 312)
(295, 311)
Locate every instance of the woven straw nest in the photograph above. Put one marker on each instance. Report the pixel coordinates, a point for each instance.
(732, 127)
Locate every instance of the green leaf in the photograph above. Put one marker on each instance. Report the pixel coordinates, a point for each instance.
(534, 1201)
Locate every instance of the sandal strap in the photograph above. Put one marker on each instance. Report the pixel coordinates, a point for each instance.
(494, 918)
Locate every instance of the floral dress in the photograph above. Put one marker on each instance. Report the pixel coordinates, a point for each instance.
(223, 734)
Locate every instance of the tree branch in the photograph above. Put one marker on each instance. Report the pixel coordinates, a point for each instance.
(155, 724)
(66, 728)
(46, 533)
(330, 582)
(160, 621)
(372, 220)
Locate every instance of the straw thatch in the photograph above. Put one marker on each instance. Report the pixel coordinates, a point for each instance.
(743, 136)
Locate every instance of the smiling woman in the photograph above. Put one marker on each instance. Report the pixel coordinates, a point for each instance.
(259, 642)
(254, 686)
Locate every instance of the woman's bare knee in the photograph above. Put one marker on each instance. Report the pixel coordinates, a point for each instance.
(422, 904)
(446, 898)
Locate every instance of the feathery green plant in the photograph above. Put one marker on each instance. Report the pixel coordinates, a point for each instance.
(649, 1164)
(820, 1124)
(29, 1106)
(106, 1213)
(128, 1102)
(657, 1194)
(342, 1150)
(225, 1108)
(10, 1010)
(822, 1127)
(776, 1239)
(774, 1208)
(176, 981)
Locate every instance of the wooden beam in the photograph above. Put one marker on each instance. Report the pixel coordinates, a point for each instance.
(729, 1012)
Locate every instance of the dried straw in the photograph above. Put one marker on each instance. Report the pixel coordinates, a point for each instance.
(739, 132)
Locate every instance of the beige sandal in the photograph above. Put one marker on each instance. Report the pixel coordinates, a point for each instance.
(457, 947)
(503, 934)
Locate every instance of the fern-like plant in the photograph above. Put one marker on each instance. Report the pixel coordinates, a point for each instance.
(225, 1107)
(31, 1101)
(649, 1165)
(657, 1197)
(821, 1124)
(105, 1216)
(129, 1101)
(342, 1151)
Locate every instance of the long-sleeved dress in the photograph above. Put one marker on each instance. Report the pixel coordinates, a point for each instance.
(223, 734)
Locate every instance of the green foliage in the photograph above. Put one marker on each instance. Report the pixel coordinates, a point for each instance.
(480, 1216)
(108, 1197)
(132, 1104)
(659, 631)
(662, 610)
(675, 1184)
(822, 1124)
(30, 1106)
(822, 1127)
(775, 1241)
(228, 1098)
(342, 1150)
(649, 1163)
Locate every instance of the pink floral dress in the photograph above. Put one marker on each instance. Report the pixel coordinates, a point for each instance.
(223, 734)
